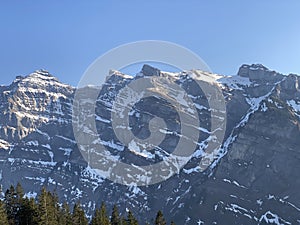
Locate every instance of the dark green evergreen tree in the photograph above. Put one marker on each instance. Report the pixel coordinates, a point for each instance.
(96, 219)
(160, 220)
(65, 216)
(19, 191)
(103, 215)
(100, 217)
(78, 217)
(47, 208)
(124, 221)
(172, 223)
(3, 215)
(131, 220)
(43, 207)
(115, 217)
(11, 204)
(55, 207)
(28, 214)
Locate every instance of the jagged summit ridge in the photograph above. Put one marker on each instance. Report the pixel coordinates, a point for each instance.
(39, 79)
(38, 74)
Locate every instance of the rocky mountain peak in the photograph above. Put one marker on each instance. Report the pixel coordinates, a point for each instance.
(43, 75)
(36, 76)
(30, 101)
(255, 66)
(259, 73)
(148, 70)
(40, 81)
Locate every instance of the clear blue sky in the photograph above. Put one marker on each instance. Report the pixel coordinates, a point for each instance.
(64, 37)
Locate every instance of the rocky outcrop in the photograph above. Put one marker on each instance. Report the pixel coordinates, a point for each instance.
(259, 73)
(290, 88)
(150, 71)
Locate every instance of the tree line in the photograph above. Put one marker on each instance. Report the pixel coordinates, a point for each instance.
(18, 209)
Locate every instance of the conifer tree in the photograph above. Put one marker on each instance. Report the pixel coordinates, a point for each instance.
(115, 217)
(19, 194)
(54, 206)
(103, 215)
(160, 220)
(3, 215)
(28, 213)
(100, 217)
(11, 205)
(172, 223)
(124, 221)
(43, 207)
(47, 208)
(131, 220)
(79, 217)
(19, 191)
(65, 216)
(96, 220)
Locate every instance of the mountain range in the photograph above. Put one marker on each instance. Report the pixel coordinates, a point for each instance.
(254, 178)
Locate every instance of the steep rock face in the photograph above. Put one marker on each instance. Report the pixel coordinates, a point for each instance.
(289, 88)
(259, 173)
(253, 180)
